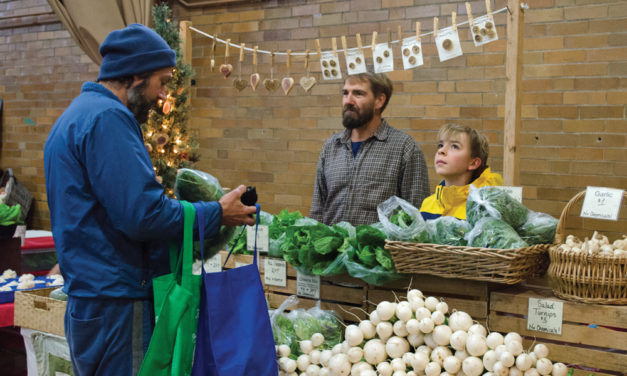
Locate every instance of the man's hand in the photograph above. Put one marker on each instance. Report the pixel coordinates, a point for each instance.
(234, 213)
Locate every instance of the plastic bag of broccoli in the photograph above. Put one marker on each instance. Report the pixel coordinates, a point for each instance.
(539, 228)
(282, 326)
(402, 221)
(494, 233)
(193, 186)
(448, 230)
(494, 202)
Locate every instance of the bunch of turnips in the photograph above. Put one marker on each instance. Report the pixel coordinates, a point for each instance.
(418, 336)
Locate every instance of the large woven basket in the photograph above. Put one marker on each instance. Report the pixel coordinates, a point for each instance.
(584, 277)
(508, 266)
(16, 193)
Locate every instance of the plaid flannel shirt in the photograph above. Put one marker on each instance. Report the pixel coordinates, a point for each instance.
(349, 188)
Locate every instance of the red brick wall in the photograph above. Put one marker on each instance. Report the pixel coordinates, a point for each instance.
(574, 125)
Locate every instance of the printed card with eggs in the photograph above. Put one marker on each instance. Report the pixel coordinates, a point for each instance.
(483, 30)
(330, 66)
(411, 50)
(383, 58)
(448, 44)
(355, 62)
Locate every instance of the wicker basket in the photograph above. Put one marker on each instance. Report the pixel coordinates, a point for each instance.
(583, 277)
(34, 309)
(508, 266)
(16, 193)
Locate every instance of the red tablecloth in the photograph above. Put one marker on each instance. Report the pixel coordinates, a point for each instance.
(6, 314)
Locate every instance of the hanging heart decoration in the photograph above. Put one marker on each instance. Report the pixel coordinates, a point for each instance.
(240, 84)
(287, 84)
(307, 83)
(254, 81)
(271, 84)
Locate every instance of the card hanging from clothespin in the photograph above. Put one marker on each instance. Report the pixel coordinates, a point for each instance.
(382, 55)
(238, 83)
(411, 48)
(482, 28)
(287, 83)
(213, 52)
(270, 83)
(226, 68)
(255, 78)
(330, 63)
(355, 60)
(307, 82)
(447, 39)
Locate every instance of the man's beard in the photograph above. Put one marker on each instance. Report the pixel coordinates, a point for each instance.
(139, 105)
(363, 117)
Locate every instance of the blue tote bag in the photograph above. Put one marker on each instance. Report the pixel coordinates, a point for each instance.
(234, 335)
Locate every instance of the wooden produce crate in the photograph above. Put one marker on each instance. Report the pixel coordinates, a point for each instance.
(343, 294)
(593, 339)
(35, 309)
(462, 295)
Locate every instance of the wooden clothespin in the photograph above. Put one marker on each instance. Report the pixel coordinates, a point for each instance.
(306, 59)
(417, 31)
(226, 50)
(389, 38)
(318, 48)
(287, 62)
(241, 52)
(344, 45)
(399, 31)
(469, 13)
(359, 45)
(334, 46)
(454, 20)
(435, 27)
(488, 10)
(255, 56)
(374, 40)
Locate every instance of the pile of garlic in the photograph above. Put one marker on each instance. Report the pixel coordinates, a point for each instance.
(597, 245)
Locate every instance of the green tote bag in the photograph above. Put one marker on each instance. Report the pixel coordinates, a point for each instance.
(177, 296)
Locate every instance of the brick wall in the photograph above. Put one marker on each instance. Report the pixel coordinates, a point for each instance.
(574, 126)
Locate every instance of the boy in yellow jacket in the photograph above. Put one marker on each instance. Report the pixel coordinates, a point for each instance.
(461, 159)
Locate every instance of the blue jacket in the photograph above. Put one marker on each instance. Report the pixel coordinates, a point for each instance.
(111, 221)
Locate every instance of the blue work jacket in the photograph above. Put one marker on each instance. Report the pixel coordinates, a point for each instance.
(110, 219)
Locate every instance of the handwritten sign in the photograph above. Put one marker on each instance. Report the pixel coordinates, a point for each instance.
(602, 203)
(275, 272)
(214, 264)
(307, 286)
(545, 316)
(515, 192)
(262, 238)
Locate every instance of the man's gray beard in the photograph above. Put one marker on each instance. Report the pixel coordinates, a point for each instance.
(363, 117)
(137, 102)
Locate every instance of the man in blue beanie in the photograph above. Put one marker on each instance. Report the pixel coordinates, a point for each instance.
(110, 218)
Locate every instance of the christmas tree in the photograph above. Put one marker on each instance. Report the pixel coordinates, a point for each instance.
(165, 133)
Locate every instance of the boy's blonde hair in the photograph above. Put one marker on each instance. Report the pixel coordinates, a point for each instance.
(478, 144)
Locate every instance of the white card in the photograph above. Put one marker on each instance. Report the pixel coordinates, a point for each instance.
(214, 264)
(355, 62)
(515, 192)
(275, 272)
(411, 50)
(330, 66)
(483, 30)
(602, 203)
(383, 58)
(307, 286)
(448, 44)
(238, 264)
(262, 238)
(545, 315)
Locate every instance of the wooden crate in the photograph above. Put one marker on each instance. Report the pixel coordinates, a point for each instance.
(342, 294)
(462, 295)
(594, 337)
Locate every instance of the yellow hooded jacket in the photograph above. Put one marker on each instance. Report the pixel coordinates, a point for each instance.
(451, 201)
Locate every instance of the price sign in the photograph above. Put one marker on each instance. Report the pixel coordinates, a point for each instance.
(275, 272)
(214, 264)
(238, 264)
(515, 192)
(262, 238)
(602, 203)
(308, 286)
(545, 316)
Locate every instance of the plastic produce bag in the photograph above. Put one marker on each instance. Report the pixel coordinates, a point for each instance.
(493, 202)
(494, 233)
(448, 230)
(539, 228)
(331, 325)
(193, 186)
(282, 326)
(402, 221)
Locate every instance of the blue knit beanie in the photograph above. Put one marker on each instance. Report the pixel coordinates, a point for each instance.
(133, 50)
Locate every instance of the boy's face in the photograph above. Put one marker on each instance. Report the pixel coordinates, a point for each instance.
(452, 159)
